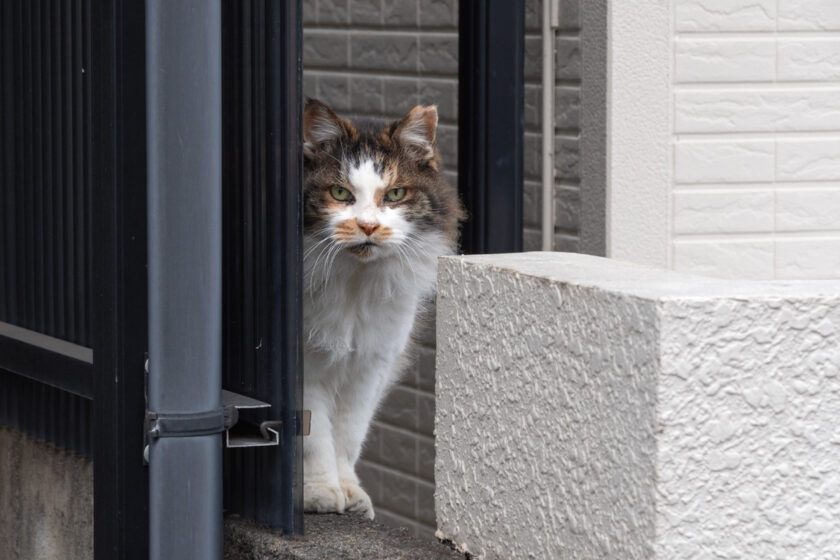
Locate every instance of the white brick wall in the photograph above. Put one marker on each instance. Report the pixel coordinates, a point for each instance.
(756, 122)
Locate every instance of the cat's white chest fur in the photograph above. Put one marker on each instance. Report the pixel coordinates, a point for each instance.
(357, 324)
(364, 309)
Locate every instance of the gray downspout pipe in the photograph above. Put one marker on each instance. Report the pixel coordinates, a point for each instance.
(184, 112)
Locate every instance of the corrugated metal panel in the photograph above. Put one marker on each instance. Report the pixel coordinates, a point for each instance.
(245, 290)
(262, 176)
(45, 203)
(45, 235)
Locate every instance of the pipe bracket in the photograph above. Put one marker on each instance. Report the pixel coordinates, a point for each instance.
(187, 424)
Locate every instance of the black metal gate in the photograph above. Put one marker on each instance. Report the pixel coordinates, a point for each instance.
(262, 249)
(73, 303)
(73, 286)
(72, 244)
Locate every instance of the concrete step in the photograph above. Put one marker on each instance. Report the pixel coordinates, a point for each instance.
(328, 537)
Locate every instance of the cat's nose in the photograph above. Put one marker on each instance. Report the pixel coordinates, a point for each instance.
(367, 227)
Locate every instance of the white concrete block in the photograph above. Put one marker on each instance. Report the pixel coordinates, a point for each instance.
(725, 60)
(703, 161)
(725, 15)
(746, 110)
(808, 159)
(808, 209)
(802, 259)
(805, 15)
(723, 211)
(809, 59)
(595, 409)
(735, 259)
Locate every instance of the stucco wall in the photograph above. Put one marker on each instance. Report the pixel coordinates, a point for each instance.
(590, 408)
(46, 500)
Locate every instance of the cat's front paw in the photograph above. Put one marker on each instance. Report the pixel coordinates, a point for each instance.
(356, 499)
(322, 497)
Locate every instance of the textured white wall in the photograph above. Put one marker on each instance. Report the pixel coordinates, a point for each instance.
(723, 124)
(589, 408)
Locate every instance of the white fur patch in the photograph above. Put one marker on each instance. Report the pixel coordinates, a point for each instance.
(365, 180)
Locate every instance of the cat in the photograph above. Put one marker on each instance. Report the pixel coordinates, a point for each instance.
(378, 213)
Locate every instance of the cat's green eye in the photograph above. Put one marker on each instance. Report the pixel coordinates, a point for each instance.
(395, 195)
(340, 193)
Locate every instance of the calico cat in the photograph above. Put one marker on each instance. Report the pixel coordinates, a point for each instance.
(377, 215)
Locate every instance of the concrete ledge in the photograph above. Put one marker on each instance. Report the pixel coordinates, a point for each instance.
(588, 408)
(348, 537)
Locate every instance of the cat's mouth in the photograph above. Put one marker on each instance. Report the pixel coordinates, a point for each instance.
(363, 250)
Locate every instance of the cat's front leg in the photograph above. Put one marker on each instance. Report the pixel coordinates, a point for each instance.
(322, 491)
(354, 413)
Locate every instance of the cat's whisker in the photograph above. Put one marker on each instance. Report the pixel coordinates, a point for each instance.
(419, 251)
(331, 259)
(401, 254)
(402, 249)
(313, 247)
(315, 265)
(412, 245)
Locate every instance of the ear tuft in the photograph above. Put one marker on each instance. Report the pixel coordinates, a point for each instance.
(320, 126)
(416, 132)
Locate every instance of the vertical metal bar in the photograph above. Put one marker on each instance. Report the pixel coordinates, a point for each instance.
(263, 174)
(109, 159)
(284, 177)
(183, 47)
(491, 123)
(7, 162)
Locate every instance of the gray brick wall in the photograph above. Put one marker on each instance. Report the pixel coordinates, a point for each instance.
(381, 58)
(566, 127)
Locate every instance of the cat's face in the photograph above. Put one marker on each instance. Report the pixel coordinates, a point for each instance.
(375, 189)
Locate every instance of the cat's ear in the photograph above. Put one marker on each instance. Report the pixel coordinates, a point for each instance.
(320, 126)
(416, 132)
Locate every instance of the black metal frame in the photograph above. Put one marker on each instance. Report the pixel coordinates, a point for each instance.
(75, 103)
(263, 263)
(120, 301)
(284, 179)
(47, 367)
(491, 123)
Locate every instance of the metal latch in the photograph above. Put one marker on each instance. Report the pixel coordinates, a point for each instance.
(249, 433)
(240, 431)
(244, 432)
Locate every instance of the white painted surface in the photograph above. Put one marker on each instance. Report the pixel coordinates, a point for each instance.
(638, 160)
(725, 15)
(590, 408)
(756, 136)
(723, 124)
